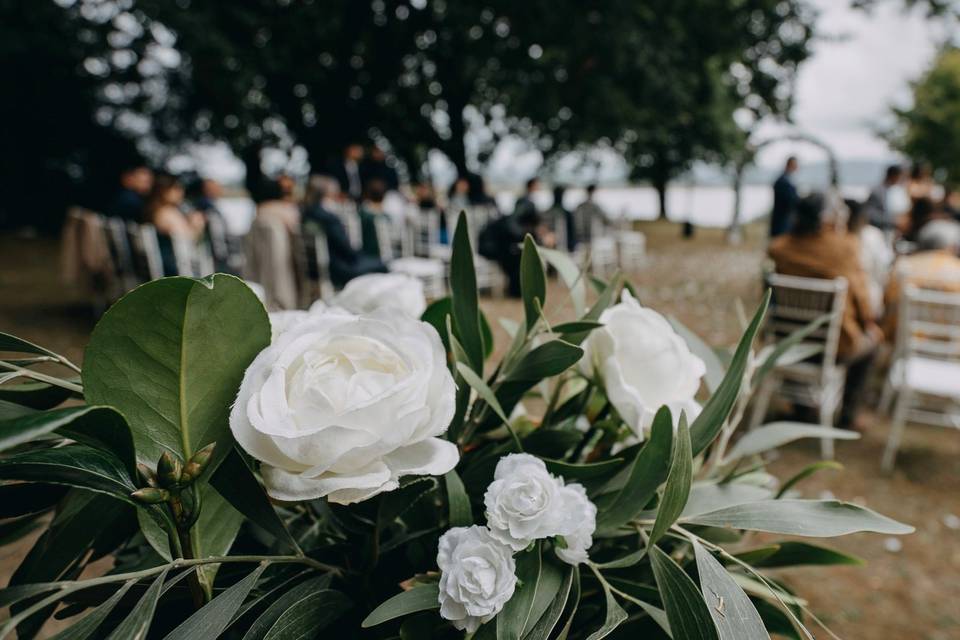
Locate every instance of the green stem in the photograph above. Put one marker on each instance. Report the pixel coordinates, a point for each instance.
(42, 377)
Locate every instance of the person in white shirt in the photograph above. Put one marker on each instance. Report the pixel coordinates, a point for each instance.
(875, 253)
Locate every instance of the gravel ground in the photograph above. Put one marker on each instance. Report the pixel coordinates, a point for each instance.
(909, 587)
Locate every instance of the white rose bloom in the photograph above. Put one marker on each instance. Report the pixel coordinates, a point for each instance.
(579, 523)
(342, 406)
(644, 364)
(374, 291)
(523, 502)
(283, 321)
(477, 576)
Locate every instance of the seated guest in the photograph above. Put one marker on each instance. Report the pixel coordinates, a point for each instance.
(935, 265)
(875, 254)
(347, 171)
(346, 262)
(502, 241)
(370, 209)
(269, 249)
(586, 215)
(922, 212)
(204, 194)
(812, 251)
(165, 212)
(376, 167)
(129, 202)
(458, 198)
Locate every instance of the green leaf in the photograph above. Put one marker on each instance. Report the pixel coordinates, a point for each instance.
(420, 598)
(677, 489)
(615, 615)
(457, 500)
(812, 518)
(785, 345)
(268, 619)
(571, 275)
(571, 610)
(686, 610)
(806, 472)
(649, 470)
(10, 410)
(577, 326)
(213, 617)
(463, 288)
(235, 481)
(791, 553)
(708, 496)
(545, 624)
(85, 627)
(309, 615)
(36, 395)
(13, 594)
(549, 359)
(733, 614)
(715, 368)
(623, 562)
(75, 465)
(13, 530)
(137, 623)
(707, 425)
(436, 316)
(19, 345)
(170, 356)
(24, 498)
(586, 471)
(516, 612)
(777, 434)
(99, 427)
(604, 300)
(533, 282)
(485, 393)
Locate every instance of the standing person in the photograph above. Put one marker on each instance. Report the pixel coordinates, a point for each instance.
(883, 204)
(562, 216)
(586, 215)
(502, 241)
(129, 203)
(920, 183)
(347, 172)
(784, 200)
(458, 197)
(370, 210)
(813, 251)
(376, 166)
(165, 212)
(525, 205)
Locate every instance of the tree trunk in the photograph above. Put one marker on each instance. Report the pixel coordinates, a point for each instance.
(734, 233)
(253, 181)
(457, 149)
(660, 184)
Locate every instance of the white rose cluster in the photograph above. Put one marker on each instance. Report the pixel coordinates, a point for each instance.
(374, 291)
(524, 503)
(644, 364)
(343, 405)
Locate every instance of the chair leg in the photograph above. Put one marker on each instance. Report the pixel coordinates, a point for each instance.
(828, 416)
(897, 424)
(761, 402)
(887, 396)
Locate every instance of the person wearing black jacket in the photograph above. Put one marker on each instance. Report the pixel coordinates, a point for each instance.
(784, 200)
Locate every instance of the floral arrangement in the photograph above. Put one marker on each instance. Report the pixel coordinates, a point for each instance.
(363, 469)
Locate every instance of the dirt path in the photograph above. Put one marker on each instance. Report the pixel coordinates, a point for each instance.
(905, 592)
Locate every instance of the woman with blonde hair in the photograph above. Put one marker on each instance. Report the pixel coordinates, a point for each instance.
(164, 211)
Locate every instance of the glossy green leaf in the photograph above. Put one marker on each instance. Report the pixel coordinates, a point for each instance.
(551, 616)
(549, 359)
(170, 356)
(517, 615)
(623, 562)
(235, 481)
(307, 617)
(715, 369)
(812, 518)
(76, 465)
(213, 617)
(684, 604)
(99, 427)
(420, 598)
(279, 604)
(649, 469)
(458, 501)
(677, 489)
(586, 471)
(22, 498)
(707, 425)
(10, 410)
(792, 553)
(88, 624)
(606, 298)
(732, 611)
(138, 621)
(777, 434)
(36, 395)
(466, 304)
(577, 326)
(614, 618)
(572, 606)
(533, 282)
(485, 393)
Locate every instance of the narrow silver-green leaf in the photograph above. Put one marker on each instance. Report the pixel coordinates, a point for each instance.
(517, 613)
(75, 465)
(734, 615)
(458, 501)
(614, 618)
(570, 274)
(464, 296)
(776, 434)
(138, 621)
(533, 281)
(89, 623)
(307, 617)
(812, 518)
(546, 623)
(677, 489)
(213, 617)
(686, 610)
(420, 598)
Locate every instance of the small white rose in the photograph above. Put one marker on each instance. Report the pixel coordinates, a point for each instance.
(579, 523)
(374, 291)
(283, 321)
(644, 364)
(523, 501)
(478, 576)
(342, 406)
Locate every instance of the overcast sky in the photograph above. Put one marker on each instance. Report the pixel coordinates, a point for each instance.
(846, 88)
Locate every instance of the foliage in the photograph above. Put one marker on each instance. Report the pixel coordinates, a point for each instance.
(926, 130)
(146, 470)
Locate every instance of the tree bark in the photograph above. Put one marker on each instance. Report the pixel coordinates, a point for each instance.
(253, 181)
(660, 184)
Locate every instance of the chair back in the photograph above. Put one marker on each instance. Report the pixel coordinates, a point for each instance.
(146, 259)
(312, 259)
(929, 324)
(797, 301)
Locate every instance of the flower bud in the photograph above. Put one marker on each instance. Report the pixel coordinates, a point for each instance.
(198, 463)
(151, 495)
(169, 470)
(147, 476)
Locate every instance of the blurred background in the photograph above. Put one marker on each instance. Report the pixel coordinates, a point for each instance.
(127, 125)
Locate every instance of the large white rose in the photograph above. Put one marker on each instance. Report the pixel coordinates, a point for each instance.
(374, 291)
(578, 524)
(643, 363)
(283, 321)
(477, 576)
(342, 406)
(523, 501)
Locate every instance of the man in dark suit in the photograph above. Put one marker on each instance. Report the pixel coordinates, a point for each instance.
(128, 203)
(376, 167)
(347, 171)
(784, 200)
